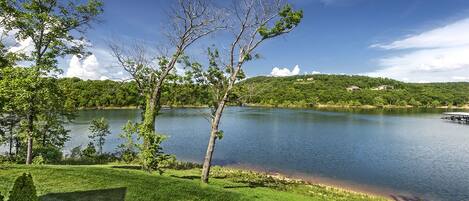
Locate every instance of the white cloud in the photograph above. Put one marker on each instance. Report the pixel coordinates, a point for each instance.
(315, 72)
(437, 55)
(461, 78)
(451, 35)
(87, 68)
(280, 72)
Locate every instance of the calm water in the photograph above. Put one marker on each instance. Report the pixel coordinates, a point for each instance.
(413, 153)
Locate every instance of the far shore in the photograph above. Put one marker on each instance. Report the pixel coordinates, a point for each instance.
(319, 106)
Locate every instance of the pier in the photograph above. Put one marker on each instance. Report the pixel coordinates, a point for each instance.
(459, 117)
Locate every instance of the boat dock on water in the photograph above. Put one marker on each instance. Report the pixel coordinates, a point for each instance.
(459, 117)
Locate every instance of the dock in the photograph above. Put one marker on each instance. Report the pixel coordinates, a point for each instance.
(459, 117)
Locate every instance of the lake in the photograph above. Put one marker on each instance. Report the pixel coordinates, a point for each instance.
(407, 152)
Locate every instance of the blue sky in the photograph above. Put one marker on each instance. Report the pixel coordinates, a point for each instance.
(385, 38)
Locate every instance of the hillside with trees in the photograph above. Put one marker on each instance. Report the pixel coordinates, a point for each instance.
(345, 90)
(292, 91)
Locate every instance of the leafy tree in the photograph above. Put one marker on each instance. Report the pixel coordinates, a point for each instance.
(128, 147)
(255, 23)
(99, 129)
(55, 29)
(89, 151)
(378, 101)
(23, 189)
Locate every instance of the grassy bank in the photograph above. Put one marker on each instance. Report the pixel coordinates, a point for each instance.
(118, 183)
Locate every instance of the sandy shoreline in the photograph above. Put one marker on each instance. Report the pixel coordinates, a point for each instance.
(389, 193)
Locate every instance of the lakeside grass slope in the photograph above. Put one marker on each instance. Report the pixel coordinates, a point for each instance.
(119, 183)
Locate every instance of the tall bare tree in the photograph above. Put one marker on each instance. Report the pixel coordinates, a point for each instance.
(190, 20)
(254, 22)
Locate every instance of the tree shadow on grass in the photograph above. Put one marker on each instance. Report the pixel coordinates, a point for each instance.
(113, 194)
(190, 177)
(131, 167)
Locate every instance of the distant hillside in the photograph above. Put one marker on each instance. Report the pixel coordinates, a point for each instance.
(307, 90)
(293, 91)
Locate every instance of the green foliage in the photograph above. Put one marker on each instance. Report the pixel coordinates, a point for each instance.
(379, 101)
(49, 154)
(99, 129)
(331, 90)
(273, 91)
(128, 149)
(7, 59)
(89, 151)
(55, 27)
(289, 19)
(23, 189)
(1, 197)
(219, 134)
(38, 160)
(151, 153)
(172, 163)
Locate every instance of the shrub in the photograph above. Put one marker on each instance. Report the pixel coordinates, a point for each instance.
(1, 197)
(89, 151)
(23, 189)
(38, 160)
(172, 163)
(49, 154)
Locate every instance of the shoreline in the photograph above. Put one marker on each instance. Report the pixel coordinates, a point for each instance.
(320, 106)
(348, 186)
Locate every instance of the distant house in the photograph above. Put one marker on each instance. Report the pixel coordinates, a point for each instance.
(299, 80)
(383, 87)
(310, 79)
(353, 88)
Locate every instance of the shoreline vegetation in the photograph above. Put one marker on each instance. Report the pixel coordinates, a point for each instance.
(302, 91)
(319, 106)
(246, 184)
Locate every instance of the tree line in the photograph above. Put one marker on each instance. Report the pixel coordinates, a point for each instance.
(274, 91)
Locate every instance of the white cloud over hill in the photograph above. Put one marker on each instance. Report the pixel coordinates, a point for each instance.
(280, 72)
(437, 55)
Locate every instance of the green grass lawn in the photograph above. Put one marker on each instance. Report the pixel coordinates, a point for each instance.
(118, 183)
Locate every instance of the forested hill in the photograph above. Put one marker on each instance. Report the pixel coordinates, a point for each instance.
(299, 91)
(351, 90)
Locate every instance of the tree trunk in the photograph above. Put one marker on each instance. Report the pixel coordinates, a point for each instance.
(29, 154)
(11, 140)
(212, 140)
(209, 155)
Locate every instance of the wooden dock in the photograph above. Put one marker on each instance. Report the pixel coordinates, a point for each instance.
(459, 117)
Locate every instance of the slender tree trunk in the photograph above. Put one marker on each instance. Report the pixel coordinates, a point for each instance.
(29, 154)
(11, 140)
(212, 140)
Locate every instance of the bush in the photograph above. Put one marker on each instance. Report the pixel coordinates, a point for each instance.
(172, 163)
(38, 160)
(49, 154)
(89, 151)
(24, 189)
(1, 197)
